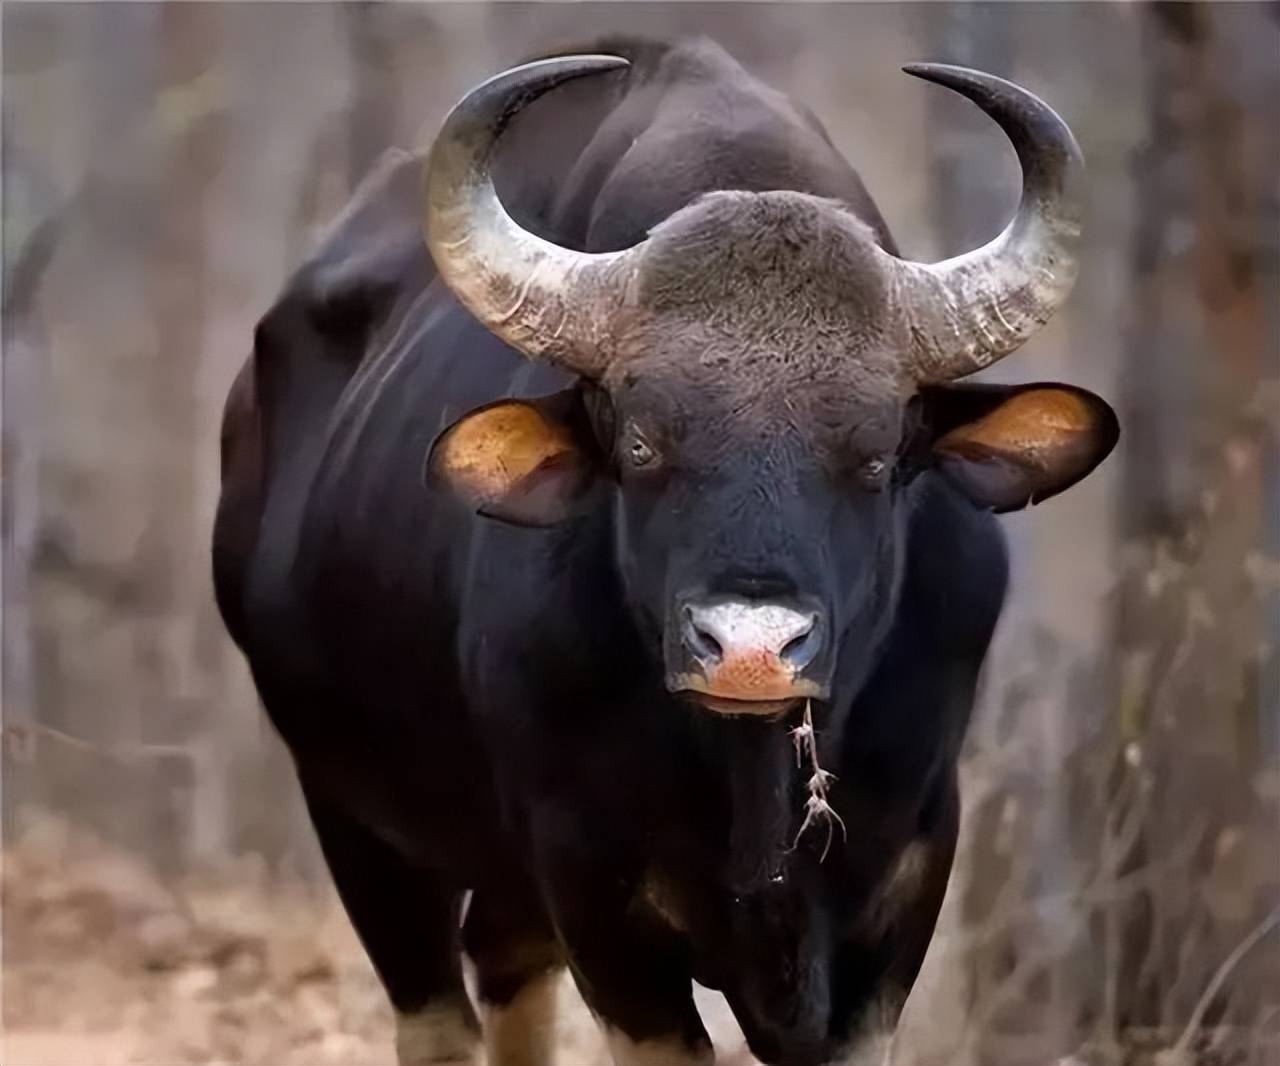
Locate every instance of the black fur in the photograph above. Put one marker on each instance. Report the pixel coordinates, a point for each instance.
(477, 706)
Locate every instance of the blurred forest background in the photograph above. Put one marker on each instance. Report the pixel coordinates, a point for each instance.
(166, 166)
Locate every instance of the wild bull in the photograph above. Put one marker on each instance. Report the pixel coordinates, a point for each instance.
(554, 539)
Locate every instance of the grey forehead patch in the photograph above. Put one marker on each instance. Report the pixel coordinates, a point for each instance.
(729, 244)
(766, 293)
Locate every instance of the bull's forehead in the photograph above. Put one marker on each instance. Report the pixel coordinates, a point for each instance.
(781, 289)
(759, 385)
(772, 413)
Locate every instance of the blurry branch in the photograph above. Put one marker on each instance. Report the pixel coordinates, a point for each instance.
(967, 202)
(19, 487)
(1179, 1053)
(348, 143)
(23, 281)
(1104, 887)
(370, 117)
(21, 742)
(1200, 226)
(1016, 913)
(1188, 642)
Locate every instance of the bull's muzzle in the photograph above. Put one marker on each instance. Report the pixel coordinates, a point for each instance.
(748, 657)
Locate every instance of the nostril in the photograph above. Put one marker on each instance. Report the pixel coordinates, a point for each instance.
(702, 643)
(800, 650)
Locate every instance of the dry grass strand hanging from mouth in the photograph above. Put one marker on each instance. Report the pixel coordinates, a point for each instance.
(817, 806)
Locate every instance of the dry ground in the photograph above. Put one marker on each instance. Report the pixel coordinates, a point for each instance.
(105, 965)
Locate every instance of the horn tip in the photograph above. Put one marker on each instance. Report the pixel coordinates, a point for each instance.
(923, 68)
(947, 74)
(539, 76)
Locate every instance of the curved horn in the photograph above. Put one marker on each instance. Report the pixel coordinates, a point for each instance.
(538, 297)
(972, 310)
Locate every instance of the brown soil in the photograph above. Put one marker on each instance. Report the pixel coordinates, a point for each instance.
(105, 964)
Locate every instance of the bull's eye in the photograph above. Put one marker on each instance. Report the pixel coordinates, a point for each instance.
(639, 453)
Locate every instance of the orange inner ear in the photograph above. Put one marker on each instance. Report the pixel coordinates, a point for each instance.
(1036, 427)
(488, 453)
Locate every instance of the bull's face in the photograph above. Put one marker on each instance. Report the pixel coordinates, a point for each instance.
(754, 423)
(761, 384)
(753, 533)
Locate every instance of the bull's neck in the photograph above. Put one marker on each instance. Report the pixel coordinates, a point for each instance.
(764, 794)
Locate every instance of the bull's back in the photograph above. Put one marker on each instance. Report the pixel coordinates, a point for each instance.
(334, 568)
(307, 350)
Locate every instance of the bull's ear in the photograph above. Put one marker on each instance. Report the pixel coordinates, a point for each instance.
(1008, 446)
(528, 462)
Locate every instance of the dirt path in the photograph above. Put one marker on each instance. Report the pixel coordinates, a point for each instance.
(104, 966)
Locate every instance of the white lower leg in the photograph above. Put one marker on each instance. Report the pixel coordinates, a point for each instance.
(873, 1046)
(872, 1051)
(442, 1034)
(522, 1032)
(663, 1052)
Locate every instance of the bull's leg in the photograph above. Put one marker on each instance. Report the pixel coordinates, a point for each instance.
(877, 975)
(408, 922)
(518, 966)
(632, 971)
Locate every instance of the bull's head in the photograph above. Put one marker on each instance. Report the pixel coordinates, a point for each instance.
(760, 382)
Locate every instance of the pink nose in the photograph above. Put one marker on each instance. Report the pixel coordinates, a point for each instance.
(750, 651)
